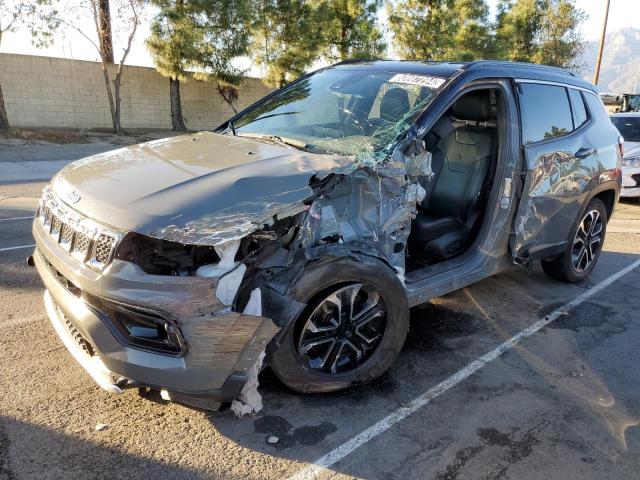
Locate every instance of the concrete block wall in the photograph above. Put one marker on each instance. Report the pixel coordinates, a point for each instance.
(55, 92)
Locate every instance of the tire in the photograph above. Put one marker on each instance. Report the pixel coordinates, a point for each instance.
(339, 279)
(573, 266)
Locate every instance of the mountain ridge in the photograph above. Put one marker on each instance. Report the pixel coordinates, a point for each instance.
(620, 69)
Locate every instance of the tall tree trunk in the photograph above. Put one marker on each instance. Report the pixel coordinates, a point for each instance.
(343, 47)
(105, 37)
(116, 118)
(112, 107)
(177, 120)
(4, 121)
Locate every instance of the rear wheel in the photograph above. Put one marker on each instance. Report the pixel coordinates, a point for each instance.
(583, 251)
(353, 328)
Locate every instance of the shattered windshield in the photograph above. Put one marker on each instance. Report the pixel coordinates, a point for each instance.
(347, 112)
(629, 127)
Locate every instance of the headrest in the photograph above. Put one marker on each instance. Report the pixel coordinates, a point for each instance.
(474, 106)
(394, 104)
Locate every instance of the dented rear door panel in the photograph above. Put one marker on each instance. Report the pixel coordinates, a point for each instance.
(560, 173)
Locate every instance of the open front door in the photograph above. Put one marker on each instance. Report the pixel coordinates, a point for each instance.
(557, 166)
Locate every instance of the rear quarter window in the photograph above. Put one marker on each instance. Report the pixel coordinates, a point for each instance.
(545, 112)
(596, 108)
(580, 115)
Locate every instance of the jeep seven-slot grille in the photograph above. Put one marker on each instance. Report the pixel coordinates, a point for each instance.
(87, 241)
(104, 247)
(81, 245)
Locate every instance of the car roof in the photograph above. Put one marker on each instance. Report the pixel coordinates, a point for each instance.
(477, 69)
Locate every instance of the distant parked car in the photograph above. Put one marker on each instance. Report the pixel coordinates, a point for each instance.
(628, 124)
(306, 225)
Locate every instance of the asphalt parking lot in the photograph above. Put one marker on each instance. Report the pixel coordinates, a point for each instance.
(563, 402)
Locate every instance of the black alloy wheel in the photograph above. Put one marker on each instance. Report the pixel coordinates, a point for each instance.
(343, 330)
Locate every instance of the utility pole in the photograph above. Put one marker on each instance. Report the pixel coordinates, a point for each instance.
(106, 41)
(596, 75)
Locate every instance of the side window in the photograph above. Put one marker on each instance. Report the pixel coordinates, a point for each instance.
(545, 112)
(579, 111)
(596, 108)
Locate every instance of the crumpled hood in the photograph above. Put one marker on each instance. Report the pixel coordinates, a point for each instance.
(175, 187)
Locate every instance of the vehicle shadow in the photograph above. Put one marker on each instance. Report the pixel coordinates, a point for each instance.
(33, 451)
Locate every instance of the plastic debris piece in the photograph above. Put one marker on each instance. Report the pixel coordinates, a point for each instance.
(254, 305)
(273, 439)
(250, 400)
(101, 427)
(230, 272)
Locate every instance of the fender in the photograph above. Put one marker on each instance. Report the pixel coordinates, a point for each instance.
(547, 251)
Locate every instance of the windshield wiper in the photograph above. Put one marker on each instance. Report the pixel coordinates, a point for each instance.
(286, 141)
(272, 115)
(229, 128)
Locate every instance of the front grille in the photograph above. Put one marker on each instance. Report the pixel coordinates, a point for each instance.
(82, 342)
(81, 246)
(636, 178)
(56, 225)
(66, 236)
(84, 239)
(104, 247)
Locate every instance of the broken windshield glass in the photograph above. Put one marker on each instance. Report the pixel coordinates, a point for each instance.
(345, 111)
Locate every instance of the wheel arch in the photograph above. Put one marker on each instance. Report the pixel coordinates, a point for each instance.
(608, 197)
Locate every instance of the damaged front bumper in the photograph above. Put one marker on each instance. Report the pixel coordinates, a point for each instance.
(218, 349)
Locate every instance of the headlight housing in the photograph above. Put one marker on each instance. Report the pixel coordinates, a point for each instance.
(163, 257)
(631, 162)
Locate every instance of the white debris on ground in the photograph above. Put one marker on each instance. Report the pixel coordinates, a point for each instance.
(273, 439)
(101, 427)
(250, 401)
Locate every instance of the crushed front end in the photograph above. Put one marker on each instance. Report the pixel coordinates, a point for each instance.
(134, 328)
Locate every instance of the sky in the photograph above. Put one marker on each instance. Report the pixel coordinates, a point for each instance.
(623, 13)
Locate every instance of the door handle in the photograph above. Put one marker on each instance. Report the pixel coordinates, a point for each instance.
(584, 152)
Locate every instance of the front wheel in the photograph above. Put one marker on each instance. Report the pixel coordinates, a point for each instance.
(352, 330)
(576, 263)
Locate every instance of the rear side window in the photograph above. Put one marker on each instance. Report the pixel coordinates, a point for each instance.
(579, 111)
(595, 106)
(545, 112)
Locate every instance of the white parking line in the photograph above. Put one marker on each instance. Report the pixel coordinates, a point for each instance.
(6, 249)
(422, 400)
(16, 218)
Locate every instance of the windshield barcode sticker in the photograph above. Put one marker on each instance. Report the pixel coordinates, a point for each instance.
(413, 79)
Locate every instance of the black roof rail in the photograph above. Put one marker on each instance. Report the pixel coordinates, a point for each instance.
(507, 63)
(355, 60)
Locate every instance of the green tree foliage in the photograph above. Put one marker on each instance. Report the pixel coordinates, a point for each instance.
(517, 27)
(40, 17)
(203, 36)
(560, 42)
(440, 29)
(287, 38)
(540, 31)
(350, 29)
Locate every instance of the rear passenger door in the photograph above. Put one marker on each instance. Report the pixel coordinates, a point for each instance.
(558, 164)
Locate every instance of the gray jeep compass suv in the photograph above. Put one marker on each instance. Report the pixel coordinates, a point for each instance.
(303, 229)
